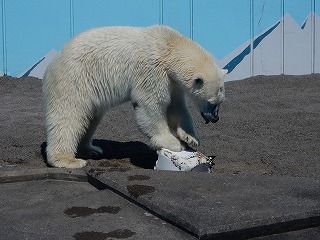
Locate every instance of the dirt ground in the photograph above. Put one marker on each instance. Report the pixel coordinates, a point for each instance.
(269, 125)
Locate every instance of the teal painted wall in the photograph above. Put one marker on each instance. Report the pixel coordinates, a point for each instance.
(30, 29)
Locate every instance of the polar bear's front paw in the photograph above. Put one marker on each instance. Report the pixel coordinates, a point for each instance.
(187, 138)
(167, 141)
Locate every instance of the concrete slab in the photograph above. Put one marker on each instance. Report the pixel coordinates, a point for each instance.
(59, 209)
(219, 206)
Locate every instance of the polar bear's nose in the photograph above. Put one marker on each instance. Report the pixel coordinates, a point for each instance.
(211, 113)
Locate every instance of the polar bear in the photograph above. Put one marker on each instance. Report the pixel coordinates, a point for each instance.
(153, 67)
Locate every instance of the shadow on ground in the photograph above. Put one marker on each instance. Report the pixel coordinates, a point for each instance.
(139, 154)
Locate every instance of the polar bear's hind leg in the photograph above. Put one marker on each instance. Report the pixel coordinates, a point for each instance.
(63, 133)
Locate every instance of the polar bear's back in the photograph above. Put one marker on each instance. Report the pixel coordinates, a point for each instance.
(119, 42)
(105, 48)
(108, 62)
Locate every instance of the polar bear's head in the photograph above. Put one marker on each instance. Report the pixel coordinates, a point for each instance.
(207, 92)
(197, 72)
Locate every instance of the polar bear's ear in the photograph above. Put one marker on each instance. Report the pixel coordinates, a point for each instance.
(224, 72)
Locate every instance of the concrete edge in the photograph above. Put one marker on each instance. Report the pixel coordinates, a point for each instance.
(23, 175)
(267, 229)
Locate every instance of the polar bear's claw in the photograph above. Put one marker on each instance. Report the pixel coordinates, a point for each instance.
(167, 141)
(187, 138)
(190, 141)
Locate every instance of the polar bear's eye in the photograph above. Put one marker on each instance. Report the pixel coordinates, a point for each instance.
(198, 82)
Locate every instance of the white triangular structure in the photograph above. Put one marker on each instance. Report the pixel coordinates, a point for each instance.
(267, 52)
(241, 55)
(1, 74)
(38, 69)
(284, 48)
(312, 24)
(297, 48)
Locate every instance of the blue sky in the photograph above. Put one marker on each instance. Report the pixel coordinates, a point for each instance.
(34, 27)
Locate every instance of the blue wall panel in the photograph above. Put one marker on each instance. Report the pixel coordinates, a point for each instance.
(298, 9)
(96, 13)
(267, 16)
(2, 57)
(316, 50)
(33, 30)
(176, 14)
(226, 28)
(214, 29)
(298, 35)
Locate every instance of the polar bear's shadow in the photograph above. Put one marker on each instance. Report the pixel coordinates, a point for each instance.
(139, 153)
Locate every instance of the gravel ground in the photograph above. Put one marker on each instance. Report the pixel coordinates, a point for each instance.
(269, 125)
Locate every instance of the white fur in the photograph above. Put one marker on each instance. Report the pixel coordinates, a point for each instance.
(152, 67)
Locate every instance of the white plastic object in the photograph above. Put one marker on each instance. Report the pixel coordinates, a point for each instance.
(189, 160)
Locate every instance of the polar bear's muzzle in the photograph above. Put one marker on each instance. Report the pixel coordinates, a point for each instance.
(211, 113)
